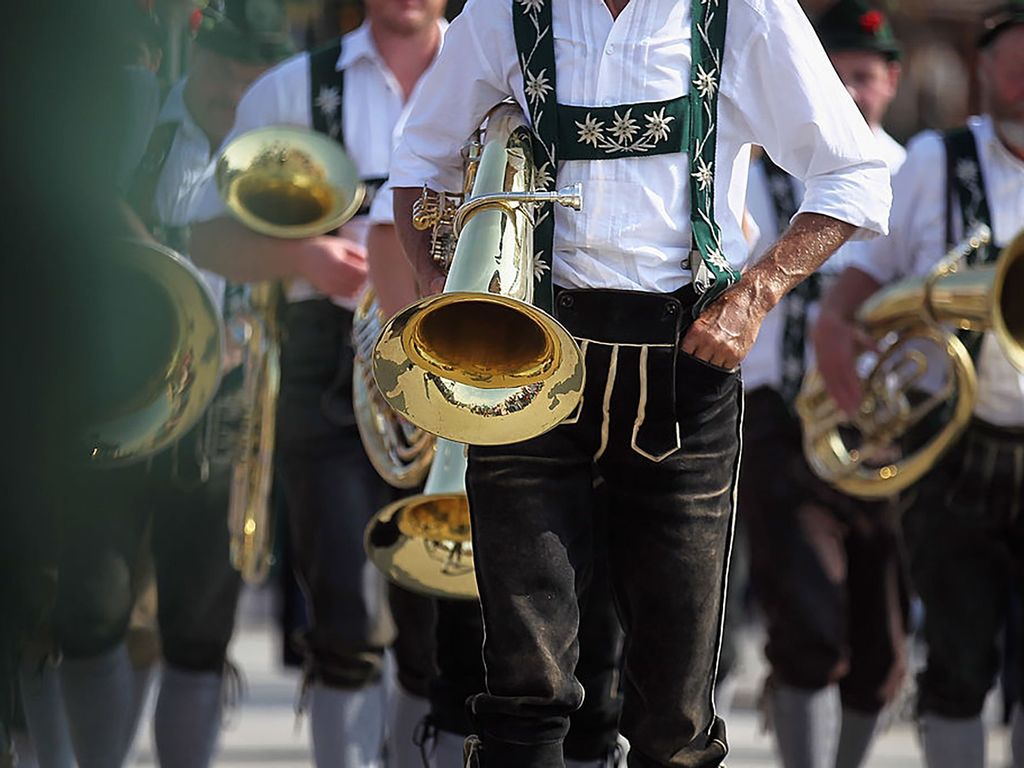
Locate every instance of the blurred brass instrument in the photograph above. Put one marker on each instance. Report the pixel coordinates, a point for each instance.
(424, 543)
(479, 363)
(162, 333)
(858, 455)
(287, 182)
(400, 452)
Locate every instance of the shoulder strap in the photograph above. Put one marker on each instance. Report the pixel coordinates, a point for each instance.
(966, 183)
(326, 89)
(142, 189)
(531, 22)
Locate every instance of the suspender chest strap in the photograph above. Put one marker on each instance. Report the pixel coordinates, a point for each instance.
(687, 123)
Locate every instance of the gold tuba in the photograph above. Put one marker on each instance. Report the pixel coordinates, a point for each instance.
(424, 543)
(400, 452)
(163, 331)
(288, 182)
(859, 455)
(479, 363)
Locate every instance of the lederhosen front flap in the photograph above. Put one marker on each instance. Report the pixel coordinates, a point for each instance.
(573, 132)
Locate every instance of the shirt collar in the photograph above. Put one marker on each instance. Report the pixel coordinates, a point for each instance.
(986, 131)
(358, 44)
(174, 109)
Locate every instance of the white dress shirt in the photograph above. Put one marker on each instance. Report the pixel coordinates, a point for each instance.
(917, 243)
(763, 364)
(778, 89)
(186, 168)
(373, 103)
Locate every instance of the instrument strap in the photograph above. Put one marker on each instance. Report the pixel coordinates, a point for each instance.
(688, 123)
(965, 187)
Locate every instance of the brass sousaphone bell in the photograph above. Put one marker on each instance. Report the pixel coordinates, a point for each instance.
(478, 363)
(287, 182)
(423, 543)
(161, 333)
(857, 454)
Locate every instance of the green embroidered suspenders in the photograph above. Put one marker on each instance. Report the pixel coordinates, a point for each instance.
(688, 123)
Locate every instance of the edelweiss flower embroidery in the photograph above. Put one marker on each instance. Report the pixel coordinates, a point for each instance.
(531, 6)
(540, 266)
(705, 174)
(967, 171)
(624, 126)
(328, 100)
(590, 130)
(542, 178)
(657, 124)
(537, 86)
(717, 259)
(705, 82)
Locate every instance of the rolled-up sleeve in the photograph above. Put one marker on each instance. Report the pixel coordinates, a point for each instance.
(791, 101)
(918, 222)
(457, 91)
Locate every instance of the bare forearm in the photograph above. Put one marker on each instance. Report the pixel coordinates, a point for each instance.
(390, 271)
(849, 291)
(801, 250)
(227, 247)
(415, 242)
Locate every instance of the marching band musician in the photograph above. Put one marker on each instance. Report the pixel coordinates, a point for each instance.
(826, 568)
(354, 90)
(197, 588)
(666, 317)
(963, 528)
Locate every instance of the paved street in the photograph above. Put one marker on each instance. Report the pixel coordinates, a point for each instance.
(264, 733)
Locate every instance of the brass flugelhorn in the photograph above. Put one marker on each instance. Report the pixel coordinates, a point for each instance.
(162, 333)
(424, 543)
(288, 182)
(479, 363)
(862, 455)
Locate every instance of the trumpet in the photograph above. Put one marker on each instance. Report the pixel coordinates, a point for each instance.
(479, 363)
(857, 454)
(287, 182)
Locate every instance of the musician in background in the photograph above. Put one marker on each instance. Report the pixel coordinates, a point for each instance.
(181, 494)
(964, 526)
(667, 322)
(353, 90)
(826, 569)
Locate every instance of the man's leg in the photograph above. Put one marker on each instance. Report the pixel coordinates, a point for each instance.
(415, 667)
(198, 595)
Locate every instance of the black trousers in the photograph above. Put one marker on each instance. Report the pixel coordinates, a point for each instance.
(332, 491)
(593, 728)
(828, 570)
(103, 521)
(965, 532)
(670, 528)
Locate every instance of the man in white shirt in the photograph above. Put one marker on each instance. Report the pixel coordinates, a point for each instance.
(963, 528)
(180, 495)
(641, 274)
(353, 90)
(826, 569)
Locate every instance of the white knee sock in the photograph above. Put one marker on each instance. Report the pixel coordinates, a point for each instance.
(447, 750)
(98, 697)
(44, 714)
(953, 742)
(187, 720)
(855, 737)
(347, 726)
(407, 712)
(806, 725)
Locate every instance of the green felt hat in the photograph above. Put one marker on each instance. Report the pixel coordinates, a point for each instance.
(253, 31)
(855, 25)
(1000, 19)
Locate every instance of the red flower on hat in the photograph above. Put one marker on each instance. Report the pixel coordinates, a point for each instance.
(195, 20)
(872, 21)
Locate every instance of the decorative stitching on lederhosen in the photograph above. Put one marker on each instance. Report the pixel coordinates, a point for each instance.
(965, 183)
(688, 123)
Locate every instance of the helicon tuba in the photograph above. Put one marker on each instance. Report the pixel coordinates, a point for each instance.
(288, 182)
(479, 363)
(163, 332)
(398, 450)
(423, 543)
(861, 455)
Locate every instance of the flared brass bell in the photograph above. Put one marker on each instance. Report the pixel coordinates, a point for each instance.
(162, 335)
(424, 543)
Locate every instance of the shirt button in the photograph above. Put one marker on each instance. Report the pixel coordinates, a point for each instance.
(610, 50)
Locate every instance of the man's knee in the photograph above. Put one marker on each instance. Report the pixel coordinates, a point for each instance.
(93, 605)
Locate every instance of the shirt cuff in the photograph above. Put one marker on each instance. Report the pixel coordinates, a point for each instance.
(861, 198)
